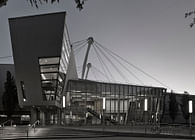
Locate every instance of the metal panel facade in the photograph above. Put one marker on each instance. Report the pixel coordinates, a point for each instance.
(34, 37)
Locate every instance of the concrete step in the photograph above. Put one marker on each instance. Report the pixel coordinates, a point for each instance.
(45, 132)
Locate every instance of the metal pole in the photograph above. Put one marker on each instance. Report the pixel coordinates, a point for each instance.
(190, 113)
(90, 42)
(27, 133)
(190, 119)
(145, 121)
(145, 111)
(103, 119)
(103, 108)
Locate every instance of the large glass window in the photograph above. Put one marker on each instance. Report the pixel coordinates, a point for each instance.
(53, 71)
(65, 55)
(49, 76)
(52, 80)
(122, 101)
(49, 68)
(47, 61)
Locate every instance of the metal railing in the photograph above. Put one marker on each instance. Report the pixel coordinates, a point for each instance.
(33, 126)
(3, 124)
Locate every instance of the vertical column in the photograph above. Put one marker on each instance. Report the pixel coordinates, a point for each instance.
(136, 112)
(42, 118)
(114, 100)
(33, 116)
(118, 116)
(59, 118)
(47, 117)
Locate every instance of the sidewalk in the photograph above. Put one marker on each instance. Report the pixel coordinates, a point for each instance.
(67, 132)
(137, 131)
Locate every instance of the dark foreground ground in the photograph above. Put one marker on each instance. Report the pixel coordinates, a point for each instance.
(122, 138)
(89, 133)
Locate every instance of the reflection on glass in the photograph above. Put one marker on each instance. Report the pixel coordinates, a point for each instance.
(49, 68)
(51, 78)
(121, 101)
(47, 61)
(46, 76)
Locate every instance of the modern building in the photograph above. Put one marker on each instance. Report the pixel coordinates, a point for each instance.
(44, 61)
(48, 85)
(117, 103)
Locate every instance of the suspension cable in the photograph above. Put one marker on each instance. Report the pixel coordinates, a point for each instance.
(131, 73)
(77, 50)
(120, 73)
(104, 67)
(78, 44)
(134, 66)
(94, 75)
(95, 68)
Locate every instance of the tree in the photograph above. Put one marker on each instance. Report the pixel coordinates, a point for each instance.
(189, 14)
(36, 3)
(10, 99)
(184, 106)
(3, 3)
(173, 106)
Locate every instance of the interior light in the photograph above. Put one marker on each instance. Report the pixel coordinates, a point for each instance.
(43, 76)
(60, 79)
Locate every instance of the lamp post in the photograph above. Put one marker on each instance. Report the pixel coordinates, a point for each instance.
(64, 105)
(190, 113)
(104, 108)
(145, 110)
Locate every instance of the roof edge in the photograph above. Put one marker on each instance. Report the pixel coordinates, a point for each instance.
(30, 16)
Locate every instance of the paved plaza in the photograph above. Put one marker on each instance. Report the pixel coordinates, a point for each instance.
(91, 132)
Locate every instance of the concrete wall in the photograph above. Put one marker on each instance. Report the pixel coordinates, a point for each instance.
(33, 37)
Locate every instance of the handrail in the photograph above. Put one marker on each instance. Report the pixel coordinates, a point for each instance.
(3, 124)
(33, 126)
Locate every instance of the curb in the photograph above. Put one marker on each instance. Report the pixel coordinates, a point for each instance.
(58, 137)
(133, 134)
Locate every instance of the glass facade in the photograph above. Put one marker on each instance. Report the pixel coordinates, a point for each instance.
(66, 50)
(124, 104)
(53, 71)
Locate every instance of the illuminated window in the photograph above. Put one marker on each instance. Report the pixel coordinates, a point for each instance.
(52, 79)
(47, 61)
(53, 71)
(49, 68)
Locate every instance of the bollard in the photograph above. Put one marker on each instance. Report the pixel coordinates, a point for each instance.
(27, 133)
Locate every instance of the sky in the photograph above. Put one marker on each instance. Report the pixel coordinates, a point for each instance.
(151, 34)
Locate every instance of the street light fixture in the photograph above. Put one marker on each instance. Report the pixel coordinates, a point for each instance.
(104, 103)
(64, 105)
(190, 107)
(145, 104)
(64, 101)
(145, 110)
(103, 107)
(190, 113)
